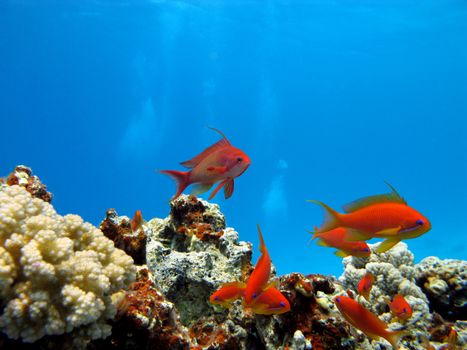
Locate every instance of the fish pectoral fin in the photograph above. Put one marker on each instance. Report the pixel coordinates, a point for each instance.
(219, 186)
(228, 189)
(353, 235)
(217, 169)
(341, 253)
(322, 243)
(389, 231)
(386, 245)
(200, 188)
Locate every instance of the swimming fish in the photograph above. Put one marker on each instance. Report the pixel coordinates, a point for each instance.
(452, 339)
(364, 320)
(228, 293)
(365, 284)
(260, 276)
(384, 216)
(137, 221)
(270, 302)
(220, 163)
(338, 238)
(400, 307)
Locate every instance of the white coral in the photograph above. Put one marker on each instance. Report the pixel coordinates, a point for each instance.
(57, 273)
(394, 273)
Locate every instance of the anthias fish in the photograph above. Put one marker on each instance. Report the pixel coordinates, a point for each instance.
(137, 221)
(400, 308)
(270, 302)
(366, 321)
(365, 285)
(386, 216)
(228, 293)
(338, 238)
(219, 163)
(260, 276)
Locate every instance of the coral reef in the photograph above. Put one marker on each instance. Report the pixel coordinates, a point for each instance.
(22, 176)
(191, 253)
(395, 272)
(65, 284)
(118, 229)
(445, 284)
(57, 273)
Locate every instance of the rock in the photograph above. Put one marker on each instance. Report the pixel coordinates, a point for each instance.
(191, 254)
(445, 284)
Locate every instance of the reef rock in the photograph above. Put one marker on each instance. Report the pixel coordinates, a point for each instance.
(445, 284)
(191, 254)
(22, 176)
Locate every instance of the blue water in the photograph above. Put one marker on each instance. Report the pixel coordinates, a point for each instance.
(328, 98)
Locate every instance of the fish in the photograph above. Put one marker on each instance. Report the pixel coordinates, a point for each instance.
(400, 308)
(137, 221)
(270, 302)
(364, 320)
(365, 284)
(338, 238)
(260, 276)
(379, 216)
(220, 163)
(227, 293)
(452, 339)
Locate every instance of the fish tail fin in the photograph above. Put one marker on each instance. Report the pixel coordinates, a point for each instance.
(331, 217)
(395, 337)
(182, 179)
(262, 246)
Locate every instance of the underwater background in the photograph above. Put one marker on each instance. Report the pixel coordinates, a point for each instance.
(328, 98)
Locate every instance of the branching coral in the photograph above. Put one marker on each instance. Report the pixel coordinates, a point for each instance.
(395, 272)
(57, 273)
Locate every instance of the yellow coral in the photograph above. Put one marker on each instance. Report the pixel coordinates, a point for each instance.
(57, 273)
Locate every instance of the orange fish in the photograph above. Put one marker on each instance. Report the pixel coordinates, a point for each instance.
(338, 238)
(220, 162)
(365, 284)
(137, 221)
(270, 302)
(452, 339)
(227, 293)
(385, 216)
(260, 276)
(400, 307)
(364, 320)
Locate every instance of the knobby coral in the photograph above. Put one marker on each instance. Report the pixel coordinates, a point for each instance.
(57, 273)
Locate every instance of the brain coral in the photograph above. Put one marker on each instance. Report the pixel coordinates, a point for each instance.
(57, 273)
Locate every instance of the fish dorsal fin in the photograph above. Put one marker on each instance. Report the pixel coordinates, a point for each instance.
(211, 149)
(392, 197)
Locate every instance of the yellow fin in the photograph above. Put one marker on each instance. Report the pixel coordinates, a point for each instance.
(340, 253)
(386, 245)
(389, 231)
(322, 243)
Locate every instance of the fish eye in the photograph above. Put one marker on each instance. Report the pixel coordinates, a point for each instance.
(366, 250)
(216, 298)
(254, 295)
(239, 159)
(419, 222)
(338, 299)
(281, 304)
(405, 309)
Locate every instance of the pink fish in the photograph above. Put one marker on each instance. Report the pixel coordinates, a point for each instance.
(219, 163)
